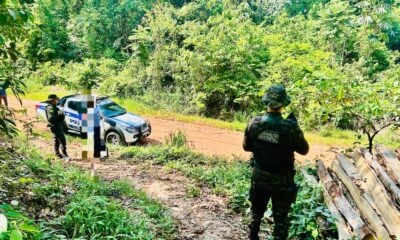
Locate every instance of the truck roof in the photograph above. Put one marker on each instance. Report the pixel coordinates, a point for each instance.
(78, 97)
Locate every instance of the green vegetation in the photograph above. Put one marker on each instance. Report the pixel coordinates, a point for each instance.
(329, 134)
(338, 59)
(176, 139)
(231, 178)
(62, 202)
(15, 17)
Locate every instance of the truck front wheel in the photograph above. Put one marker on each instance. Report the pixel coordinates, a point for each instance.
(114, 138)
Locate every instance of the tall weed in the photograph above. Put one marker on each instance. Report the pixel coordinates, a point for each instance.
(176, 139)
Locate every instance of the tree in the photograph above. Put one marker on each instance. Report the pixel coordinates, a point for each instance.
(374, 110)
(15, 18)
(220, 58)
(101, 28)
(49, 39)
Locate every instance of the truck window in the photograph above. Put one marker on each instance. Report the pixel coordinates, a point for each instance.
(77, 106)
(62, 102)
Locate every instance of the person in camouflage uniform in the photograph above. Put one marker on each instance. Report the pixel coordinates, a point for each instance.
(55, 117)
(273, 141)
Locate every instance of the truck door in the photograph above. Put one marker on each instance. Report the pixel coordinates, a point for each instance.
(73, 115)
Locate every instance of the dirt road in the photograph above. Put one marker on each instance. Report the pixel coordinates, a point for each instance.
(203, 139)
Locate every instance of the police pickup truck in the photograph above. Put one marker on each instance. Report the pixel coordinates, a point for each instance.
(117, 125)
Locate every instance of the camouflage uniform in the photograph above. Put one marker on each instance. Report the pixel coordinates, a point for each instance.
(273, 141)
(55, 118)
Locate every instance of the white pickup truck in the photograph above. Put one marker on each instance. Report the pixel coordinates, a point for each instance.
(117, 125)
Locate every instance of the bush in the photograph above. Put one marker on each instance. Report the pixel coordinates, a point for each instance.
(176, 139)
(99, 217)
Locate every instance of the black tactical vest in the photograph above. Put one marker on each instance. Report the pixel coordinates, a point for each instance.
(273, 141)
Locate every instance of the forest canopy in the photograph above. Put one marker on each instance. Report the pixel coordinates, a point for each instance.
(338, 59)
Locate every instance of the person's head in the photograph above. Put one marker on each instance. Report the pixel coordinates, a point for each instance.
(53, 99)
(276, 98)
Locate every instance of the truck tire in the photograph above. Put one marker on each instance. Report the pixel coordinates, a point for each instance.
(114, 138)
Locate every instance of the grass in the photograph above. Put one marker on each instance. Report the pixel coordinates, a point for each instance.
(326, 135)
(231, 179)
(67, 203)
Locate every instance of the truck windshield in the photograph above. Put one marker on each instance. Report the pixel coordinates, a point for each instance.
(111, 110)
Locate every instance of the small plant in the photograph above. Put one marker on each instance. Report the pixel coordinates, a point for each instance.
(309, 212)
(99, 217)
(19, 226)
(193, 191)
(28, 126)
(176, 139)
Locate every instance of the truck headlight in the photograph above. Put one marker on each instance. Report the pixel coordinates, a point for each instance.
(131, 130)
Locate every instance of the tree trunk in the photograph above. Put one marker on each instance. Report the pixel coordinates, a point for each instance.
(359, 227)
(366, 209)
(390, 160)
(383, 176)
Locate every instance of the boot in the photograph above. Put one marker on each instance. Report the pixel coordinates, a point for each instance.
(254, 236)
(65, 154)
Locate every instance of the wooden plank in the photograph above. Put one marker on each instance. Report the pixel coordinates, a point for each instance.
(343, 229)
(390, 185)
(351, 170)
(365, 208)
(343, 205)
(344, 232)
(390, 160)
(386, 206)
(349, 167)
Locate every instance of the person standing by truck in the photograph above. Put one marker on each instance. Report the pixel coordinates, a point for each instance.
(56, 117)
(273, 141)
(3, 93)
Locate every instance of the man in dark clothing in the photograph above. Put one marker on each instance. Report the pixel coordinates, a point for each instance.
(273, 141)
(3, 93)
(55, 118)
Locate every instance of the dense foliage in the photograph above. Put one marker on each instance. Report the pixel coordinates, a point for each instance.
(338, 59)
(15, 17)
